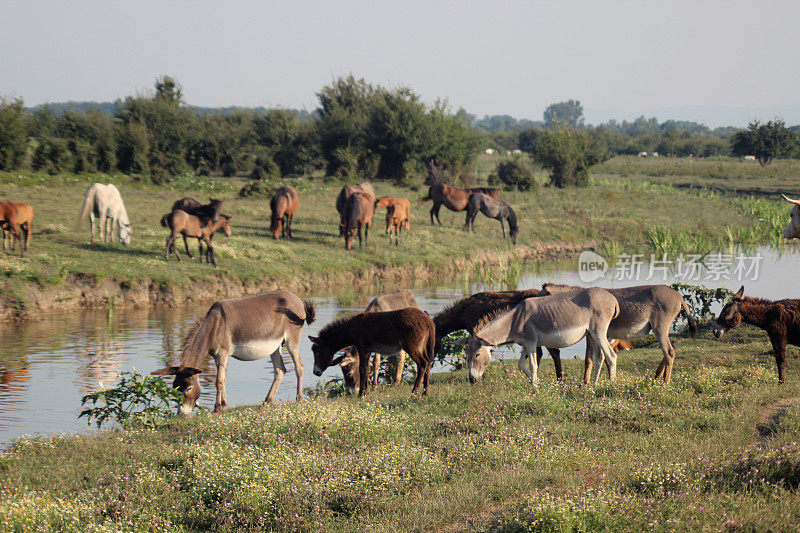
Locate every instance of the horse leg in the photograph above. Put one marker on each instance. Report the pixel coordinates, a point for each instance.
(27, 236)
(360, 242)
(210, 255)
(221, 358)
(366, 235)
(114, 228)
(401, 361)
(102, 227)
(186, 245)
(279, 370)
(502, 227)
(91, 224)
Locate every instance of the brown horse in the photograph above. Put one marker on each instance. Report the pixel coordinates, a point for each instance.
(16, 219)
(453, 198)
(346, 192)
(283, 204)
(410, 330)
(358, 211)
(193, 207)
(402, 206)
(180, 222)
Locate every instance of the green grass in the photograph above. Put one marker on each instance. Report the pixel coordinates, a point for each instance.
(631, 455)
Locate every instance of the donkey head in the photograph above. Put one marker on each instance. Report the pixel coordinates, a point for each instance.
(323, 355)
(792, 231)
(187, 382)
(731, 315)
(478, 357)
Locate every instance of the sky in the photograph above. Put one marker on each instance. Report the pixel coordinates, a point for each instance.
(501, 57)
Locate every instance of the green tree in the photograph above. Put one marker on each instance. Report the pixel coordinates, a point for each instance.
(568, 154)
(765, 141)
(515, 173)
(569, 113)
(13, 134)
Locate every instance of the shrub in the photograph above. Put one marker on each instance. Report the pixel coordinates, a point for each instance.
(515, 174)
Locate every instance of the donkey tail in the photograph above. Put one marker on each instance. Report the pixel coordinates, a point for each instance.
(431, 344)
(295, 319)
(689, 319)
(88, 204)
(311, 311)
(205, 336)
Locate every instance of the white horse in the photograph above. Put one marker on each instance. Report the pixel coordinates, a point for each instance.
(105, 203)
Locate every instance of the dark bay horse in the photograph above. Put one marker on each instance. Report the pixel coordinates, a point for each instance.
(283, 205)
(358, 211)
(209, 211)
(410, 330)
(247, 329)
(17, 220)
(180, 222)
(493, 209)
(347, 191)
(453, 198)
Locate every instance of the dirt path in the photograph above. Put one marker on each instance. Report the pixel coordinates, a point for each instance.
(769, 417)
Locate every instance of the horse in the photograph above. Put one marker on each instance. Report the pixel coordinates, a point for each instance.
(248, 329)
(180, 222)
(493, 209)
(346, 192)
(350, 368)
(105, 202)
(283, 205)
(358, 211)
(642, 309)
(780, 319)
(453, 198)
(402, 206)
(16, 219)
(468, 312)
(410, 330)
(555, 321)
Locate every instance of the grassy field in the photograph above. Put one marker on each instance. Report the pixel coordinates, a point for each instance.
(714, 450)
(615, 211)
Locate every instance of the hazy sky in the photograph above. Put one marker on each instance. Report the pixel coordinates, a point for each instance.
(488, 57)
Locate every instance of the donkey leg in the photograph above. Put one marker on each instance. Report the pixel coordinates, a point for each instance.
(280, 370)
(401, 361)
(376, 367)
(221, 358)
(421, 369)
(293, 345)
(665, 367)
(779, 347)
(555, 353)
(587, 360)
(363, 369)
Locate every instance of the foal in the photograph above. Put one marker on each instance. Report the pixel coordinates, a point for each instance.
(283, 205)
(17, 220)
(188, 225)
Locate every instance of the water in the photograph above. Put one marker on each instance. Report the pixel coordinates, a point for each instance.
(46, 366)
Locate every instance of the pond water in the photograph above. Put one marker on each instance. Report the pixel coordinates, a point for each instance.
(47, 365)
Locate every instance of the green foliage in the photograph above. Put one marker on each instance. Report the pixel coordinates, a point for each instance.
(13, 134)
(701, 298)
(567, 154)
(137, 401)
(452, 354)
(516, 174)
(766, 141)
(564, 114)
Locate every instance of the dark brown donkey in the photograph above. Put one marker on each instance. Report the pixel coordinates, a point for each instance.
(180, 222)
(247, 329)
(283, 204)
(453, 198)
(466, 313)
(780, 319)
(16, 219)
(358, 211)
(346, 192)
(410, 330)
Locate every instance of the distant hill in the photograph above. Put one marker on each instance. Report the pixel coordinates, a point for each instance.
(711, 116)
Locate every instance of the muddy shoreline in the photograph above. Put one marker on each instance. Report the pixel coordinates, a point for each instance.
(80, 291)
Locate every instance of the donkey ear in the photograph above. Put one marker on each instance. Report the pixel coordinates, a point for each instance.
(796, 202)
(313, 339)
(740, 293)
(337, 361)
(169, 371)
(189, 371)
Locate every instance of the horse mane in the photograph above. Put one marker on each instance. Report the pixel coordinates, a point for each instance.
(512, 219)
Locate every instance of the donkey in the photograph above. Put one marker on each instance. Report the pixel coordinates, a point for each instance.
(105, 202)
(555, 321)
(780, 319)
(17, 220)
(180, 222)
(283, 205)
(792, 230)
(493, 209)
(346, 192)
(642, 309)
(410, 330)
(358, 211)
(467, 312)
(247, 329)
(453, 198)
(350, 368)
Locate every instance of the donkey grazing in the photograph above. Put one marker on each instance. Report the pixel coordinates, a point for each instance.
(180, 222)
(283, 205)
(555, 321)
(453, 198)
(780, 319)
(105, 202)
(410, 330)
(493, 209)
(641, 309)
(247, 329)
(17, 219)
(350, 369)
(346, 192)
(358, 211)
(792, 230)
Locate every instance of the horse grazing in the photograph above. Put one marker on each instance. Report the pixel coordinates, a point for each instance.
(350, 368)
(16, 220)
(453, 198)
(346, 192)
(792, 230)
(493, 209)
(358, 211)
(410, 330)
(780, 319)
(641, 309)
(180, 222)
(209, 211)
(283, 205)
(247, 329)
(105, 203)
(468, 312)
(555, 321)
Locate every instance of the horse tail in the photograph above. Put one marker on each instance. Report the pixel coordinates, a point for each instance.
(88, 203)
(689, 319)
(165, 220)
(429, 196)
(205, 336)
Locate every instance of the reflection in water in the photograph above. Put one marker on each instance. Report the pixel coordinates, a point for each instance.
(46, 366)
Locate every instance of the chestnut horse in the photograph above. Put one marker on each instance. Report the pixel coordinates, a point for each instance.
(453, 198)
(358, 211)
(347, 191)
(16, 219)
(283, 204)
(190, 226)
